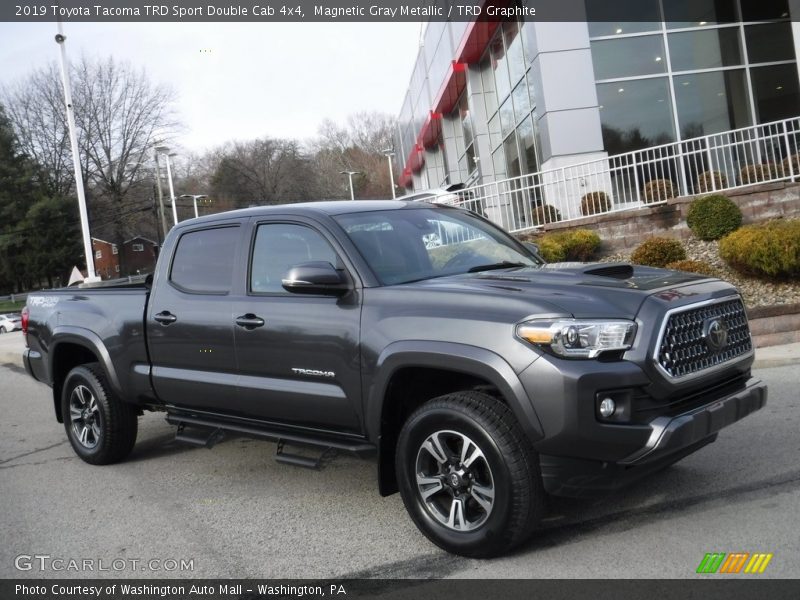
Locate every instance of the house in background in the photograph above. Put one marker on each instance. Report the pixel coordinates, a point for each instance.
(139, 255)
(106, 258)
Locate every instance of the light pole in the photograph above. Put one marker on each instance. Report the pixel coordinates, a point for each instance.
(160, 196)
(350, 178)
(389, 154)
(195, 198)
(76, 159)
(165, 151)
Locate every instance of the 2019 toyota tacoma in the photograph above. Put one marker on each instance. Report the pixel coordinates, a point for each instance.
(481, 377)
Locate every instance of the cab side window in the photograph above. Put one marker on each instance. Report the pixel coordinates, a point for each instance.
(280, 246)
(203, 261)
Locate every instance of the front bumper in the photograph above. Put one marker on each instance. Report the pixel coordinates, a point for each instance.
(582, 454)
(671, 434)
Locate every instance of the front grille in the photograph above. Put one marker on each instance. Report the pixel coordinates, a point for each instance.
(687, 343)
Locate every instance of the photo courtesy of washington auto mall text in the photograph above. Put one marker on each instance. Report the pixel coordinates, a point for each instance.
(486, 299)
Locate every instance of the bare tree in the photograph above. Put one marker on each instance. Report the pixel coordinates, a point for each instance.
(120, 114)
(263, 171)
(356, 146)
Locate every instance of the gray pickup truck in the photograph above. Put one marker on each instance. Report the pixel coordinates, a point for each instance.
(482, 378)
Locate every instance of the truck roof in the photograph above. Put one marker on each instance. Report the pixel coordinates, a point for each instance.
(329, 208)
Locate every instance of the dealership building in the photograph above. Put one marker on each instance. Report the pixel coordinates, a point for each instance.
(493, 101)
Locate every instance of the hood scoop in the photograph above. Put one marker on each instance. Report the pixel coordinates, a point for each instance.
(613, 270)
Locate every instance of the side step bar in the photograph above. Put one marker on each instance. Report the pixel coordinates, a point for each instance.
(203, 437)
(214, 430)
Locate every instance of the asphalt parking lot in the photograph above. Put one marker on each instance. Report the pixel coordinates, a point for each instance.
(233, 511)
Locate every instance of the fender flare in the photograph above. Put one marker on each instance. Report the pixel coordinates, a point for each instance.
(463, 358)
(68, 334)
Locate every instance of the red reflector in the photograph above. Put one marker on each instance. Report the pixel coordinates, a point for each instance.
(25, 316)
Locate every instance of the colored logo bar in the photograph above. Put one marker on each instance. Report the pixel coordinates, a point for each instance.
(736, 562)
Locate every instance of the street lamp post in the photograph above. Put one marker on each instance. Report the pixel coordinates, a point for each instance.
(165, 151)
(350, 178)
(91, 275)
(389, 154)
(195, 198)
(160, 197)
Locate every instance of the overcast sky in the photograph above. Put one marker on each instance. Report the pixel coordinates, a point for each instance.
(253, 79)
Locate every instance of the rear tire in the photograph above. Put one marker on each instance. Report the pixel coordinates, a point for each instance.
(101, 428)
(468, 475)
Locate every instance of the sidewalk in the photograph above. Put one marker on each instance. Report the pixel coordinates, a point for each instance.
(12, 345)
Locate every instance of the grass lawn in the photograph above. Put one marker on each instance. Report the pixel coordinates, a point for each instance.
(8, 306)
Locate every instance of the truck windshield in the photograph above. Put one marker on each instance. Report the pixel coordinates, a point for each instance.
(408, 245)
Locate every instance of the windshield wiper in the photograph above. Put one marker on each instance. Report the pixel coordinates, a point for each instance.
(495, 266)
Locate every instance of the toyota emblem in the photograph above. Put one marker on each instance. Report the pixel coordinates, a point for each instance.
(716, 334)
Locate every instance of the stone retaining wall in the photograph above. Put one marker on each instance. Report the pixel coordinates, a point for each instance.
(624, 230)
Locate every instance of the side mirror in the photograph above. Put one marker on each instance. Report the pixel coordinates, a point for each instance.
(315, 278)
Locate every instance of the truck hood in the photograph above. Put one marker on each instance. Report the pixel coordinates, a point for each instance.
(608, 290)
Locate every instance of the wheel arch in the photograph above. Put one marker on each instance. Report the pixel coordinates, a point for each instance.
(406, 368)
(72, 347)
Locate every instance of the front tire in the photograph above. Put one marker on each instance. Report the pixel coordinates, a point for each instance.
(468, 475)
(101, 428)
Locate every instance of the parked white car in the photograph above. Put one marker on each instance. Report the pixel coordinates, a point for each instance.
(10, 322)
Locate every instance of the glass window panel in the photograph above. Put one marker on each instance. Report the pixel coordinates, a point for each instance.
(489, 92)
(506, 117)
(466, 120)
(500, 67)
(775, 90)
(769, 42)
(472, 164)
(712, 102)
(499, 162)
(605, 18)
(516, 59)
(705, 49)
(522, 101)
(764, 10)
(627, 57)
(697, 13)
(495, 133)
(527, 144)
(204, 260)
(635, 114)
(512, 156)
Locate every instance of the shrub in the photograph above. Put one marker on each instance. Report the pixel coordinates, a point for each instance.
(770, 249)
(795, 161)
(712, 217)
(658, 252)
(550, 250)
(711, 181)
(756, 173)
(658, 190)
(595, 202)
(578, 245)
(692, 266)
(544, 214)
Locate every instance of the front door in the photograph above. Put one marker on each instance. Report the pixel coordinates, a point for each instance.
(298, 355)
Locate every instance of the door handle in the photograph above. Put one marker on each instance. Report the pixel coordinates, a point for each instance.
(249, 321)
(165, 317)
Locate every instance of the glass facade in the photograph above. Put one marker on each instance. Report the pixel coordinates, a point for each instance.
(510, 103)
(667, 78)
(673, 70)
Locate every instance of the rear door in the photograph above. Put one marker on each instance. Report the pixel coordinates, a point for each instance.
(190, 320)
(298, 355)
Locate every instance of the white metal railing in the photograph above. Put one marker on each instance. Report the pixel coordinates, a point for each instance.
(712, 163)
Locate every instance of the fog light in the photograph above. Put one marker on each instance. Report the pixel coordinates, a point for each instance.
(607, 407)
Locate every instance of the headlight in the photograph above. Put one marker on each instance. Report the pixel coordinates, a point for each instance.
(572, 338)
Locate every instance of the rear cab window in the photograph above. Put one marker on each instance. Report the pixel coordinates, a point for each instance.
(204, 261)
